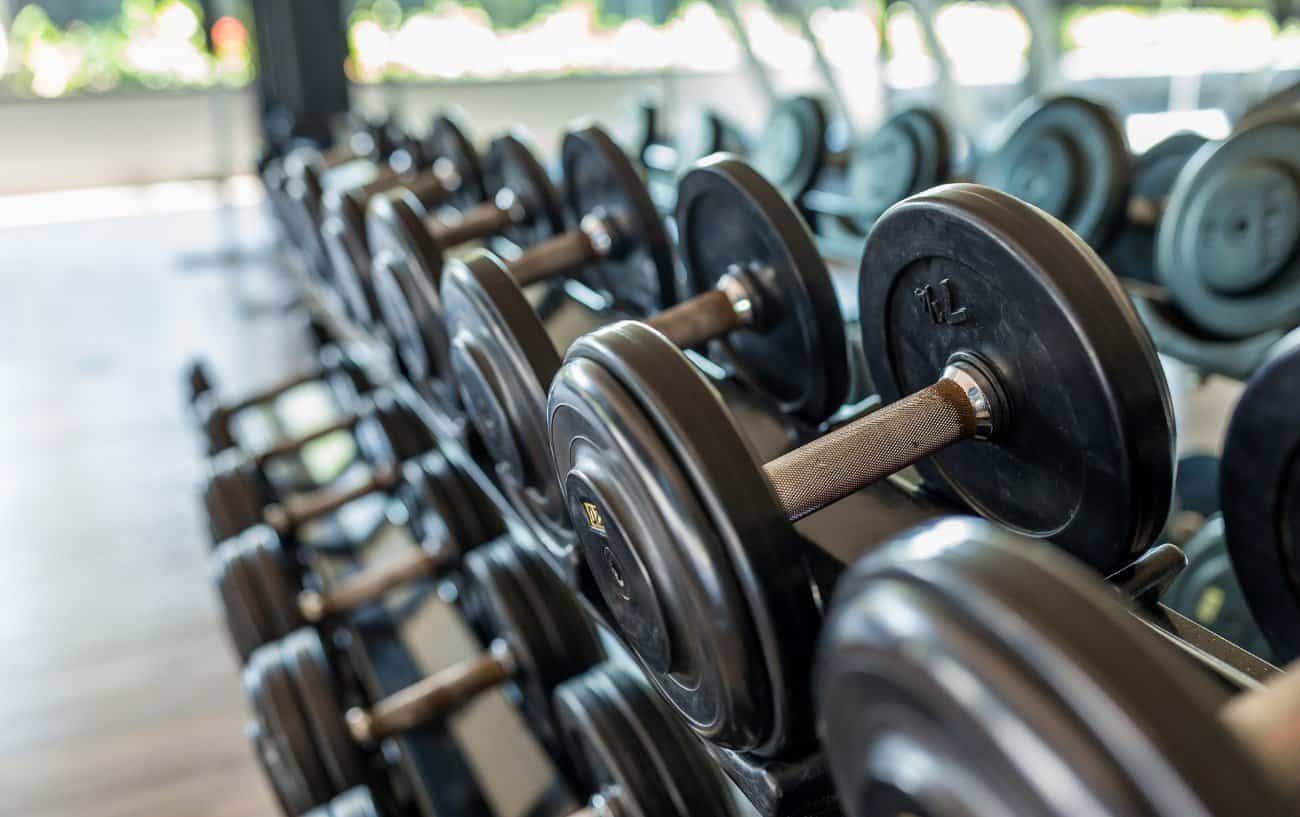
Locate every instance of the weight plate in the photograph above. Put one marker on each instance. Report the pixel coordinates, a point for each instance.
(411, 310)
(236, 485)
(966, 671)
(683, 537)
(528, 606)
(433, 487)
(1132, 252)
(1086, 458)
(289, 789)
(910, 152)
(391, 432)
(349, 262)
(272, 573)
(730, 219)
(1227, 244)
(355, 802)
(1259, 478)
(503, 361)
(791, 150)
(1067, 156)
(448, 144)
(632, 752)
(1280, 100)
(512, 165)
(280, 719)
(313, 680)
(600, 180)
(238, 601)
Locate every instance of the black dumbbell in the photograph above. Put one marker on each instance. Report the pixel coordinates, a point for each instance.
(217, 418)
(266, 585)
(790, 151)
(1014, 375)
(544, 638)
(410, 242)
(447, 173)
(754, 282)
(960, 663)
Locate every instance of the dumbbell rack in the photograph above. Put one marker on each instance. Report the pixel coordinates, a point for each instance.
(440, 774)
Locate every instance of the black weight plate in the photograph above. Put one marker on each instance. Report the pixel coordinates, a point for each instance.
(238, 602)
(600, 180)
(1067, 156)
(1227, 244)
(967, 671)
(1279, 100)
(1086, 458)
(503, 362)
(791, 150)
(728, 218)
(1259, 481)
(448, 143)
(313, 679)
(391, 432)
(238, 488)
(412, 312)
(349, 264)
(512, 165)
(433, 486)
(272, 572)
(683, 537)
(1132, 252)
(529, 607)
(280, 718)
(910, 152)
(288, 788)
(628, 749)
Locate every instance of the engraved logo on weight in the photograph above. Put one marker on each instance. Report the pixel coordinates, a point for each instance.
(941, 303)
(594, 520)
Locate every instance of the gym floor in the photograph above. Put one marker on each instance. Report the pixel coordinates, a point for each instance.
(118, 693)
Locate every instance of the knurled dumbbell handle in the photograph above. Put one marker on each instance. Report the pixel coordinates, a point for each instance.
(871, 448)
(1268, 722)
(479, 221)
(432, 697)
(295, 444)
(287, 516)
(702, 318)
(369, 585)
(272, 391)
(551, 257)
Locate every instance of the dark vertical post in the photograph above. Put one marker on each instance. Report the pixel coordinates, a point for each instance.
(301, 85)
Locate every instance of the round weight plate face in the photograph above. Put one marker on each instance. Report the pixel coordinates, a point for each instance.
(391, 431)
(680, 532)
(313, 680)
(274, 579)
(965, 671)
(349, 270)
(792, 148)
(909, 153)
(732, 222)
(1068, 157)
(1086, 455)
(449, 144)
(237, 599)
(433, 486)
(513, 166)
(280, 720)
(1227, 245)
(600, 181)
(549, 634)
(412, 310)
(1132, 253)
(627, 748)
(503, 361)
(1259, 481)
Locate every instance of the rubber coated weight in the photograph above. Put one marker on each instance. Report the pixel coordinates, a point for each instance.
(1227, 244)
(688, 539)
(600, 181)
(313, 679)
(1258, 487)
(960, 663)
(1132, 252)
(513, 166)
(910, 152)
(1068, 157)
(791, 150)
(447, 144)
(733, 223)
(631, 752)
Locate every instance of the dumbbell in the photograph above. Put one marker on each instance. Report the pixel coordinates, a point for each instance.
(790, 151)
(217, 418)
(386, 431)
(664, 158)
(544, 638)
(966, 670)
(754, 280)
(266, 587)
(409, 244)
(1015, 377)
(447, 173)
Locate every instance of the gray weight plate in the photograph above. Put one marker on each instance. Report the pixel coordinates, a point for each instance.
(600, 180)
(391, 432)
(313, 679)
(448, 143)
(1227, 247)
(1068, 157)
(1087, 456)
(279, 713)
(411, 311)
(434, 487)
(910, 152)
(349, 258)
(791, 150)
(966, 671)
(513, 165)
